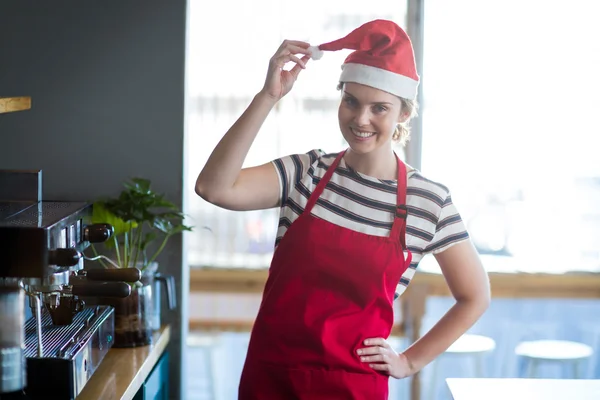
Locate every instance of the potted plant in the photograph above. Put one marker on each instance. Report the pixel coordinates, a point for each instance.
(143, 222)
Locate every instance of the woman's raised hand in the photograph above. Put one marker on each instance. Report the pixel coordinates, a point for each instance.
(279, 81)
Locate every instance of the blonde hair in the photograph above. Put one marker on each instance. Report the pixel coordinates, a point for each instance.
(402, 132)
(410, 109)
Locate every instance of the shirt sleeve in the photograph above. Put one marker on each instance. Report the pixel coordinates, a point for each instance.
(450, 228)
(290, 170)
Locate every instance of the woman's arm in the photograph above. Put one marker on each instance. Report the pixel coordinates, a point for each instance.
(469, 285)
(222, 181)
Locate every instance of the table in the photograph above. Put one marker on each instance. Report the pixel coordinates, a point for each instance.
(506, 282)
(523, 389)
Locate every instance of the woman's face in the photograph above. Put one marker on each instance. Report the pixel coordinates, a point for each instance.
(368, 117)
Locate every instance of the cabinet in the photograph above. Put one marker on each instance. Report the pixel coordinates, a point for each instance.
(156, 386)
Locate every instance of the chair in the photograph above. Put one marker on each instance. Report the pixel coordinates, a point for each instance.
(553, 351)
(473, 347)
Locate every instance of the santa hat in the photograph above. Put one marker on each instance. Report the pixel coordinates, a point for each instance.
(384, 58)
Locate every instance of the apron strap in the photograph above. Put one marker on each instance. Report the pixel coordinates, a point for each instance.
(322, 183)
(399, 226)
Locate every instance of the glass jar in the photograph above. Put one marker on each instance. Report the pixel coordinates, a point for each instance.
(133, 314)
(139, 315)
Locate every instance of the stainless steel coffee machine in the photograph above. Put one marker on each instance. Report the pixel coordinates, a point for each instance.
(51, 342)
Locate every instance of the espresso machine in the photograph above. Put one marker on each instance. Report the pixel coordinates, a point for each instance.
(51, 342)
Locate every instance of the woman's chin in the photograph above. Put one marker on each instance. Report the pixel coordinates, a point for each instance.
(361, 146)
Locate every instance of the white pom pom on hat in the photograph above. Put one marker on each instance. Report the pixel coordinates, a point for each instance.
(383, 58)
(315, 52)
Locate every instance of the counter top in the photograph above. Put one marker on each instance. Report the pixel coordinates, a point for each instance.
(523, 389)
(123, 371)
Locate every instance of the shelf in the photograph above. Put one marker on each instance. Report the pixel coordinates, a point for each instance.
(11, 104)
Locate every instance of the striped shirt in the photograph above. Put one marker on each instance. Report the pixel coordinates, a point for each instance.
(365, 204)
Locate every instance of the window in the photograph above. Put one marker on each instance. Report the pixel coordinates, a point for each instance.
(509, 124)
(228, 59)
(509, 96)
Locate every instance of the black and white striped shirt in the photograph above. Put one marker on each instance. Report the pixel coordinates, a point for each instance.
(365, 204)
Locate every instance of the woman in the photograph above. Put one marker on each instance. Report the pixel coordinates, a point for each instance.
(353, 227)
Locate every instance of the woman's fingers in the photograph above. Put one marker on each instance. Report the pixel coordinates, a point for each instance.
(288, 49)
(371, 350)
(296, 43)
(279, 81)
(381, 367)
(291, 54)
(382, 357)
(378, 355)
(299, 66)
(298, 62)
(291, 49)
(376, 358)
(377, 342)
(282, 60)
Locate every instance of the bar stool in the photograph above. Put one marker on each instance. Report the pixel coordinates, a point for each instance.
(553, 351)
(470, 346)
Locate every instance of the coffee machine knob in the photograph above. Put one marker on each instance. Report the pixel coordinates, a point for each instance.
(97, 233)
(64, 257)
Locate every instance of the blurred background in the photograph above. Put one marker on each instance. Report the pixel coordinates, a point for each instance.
(508, 122)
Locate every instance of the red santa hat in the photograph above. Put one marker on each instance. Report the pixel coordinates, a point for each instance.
(383, 58)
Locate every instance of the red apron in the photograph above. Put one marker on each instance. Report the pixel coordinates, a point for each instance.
(329, 288)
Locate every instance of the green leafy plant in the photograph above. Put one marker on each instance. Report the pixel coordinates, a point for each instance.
(139, 218)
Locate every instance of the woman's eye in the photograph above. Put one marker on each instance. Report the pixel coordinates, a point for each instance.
(380, 109)
(350, 101)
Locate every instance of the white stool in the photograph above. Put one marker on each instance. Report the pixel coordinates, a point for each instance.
(470, 346)
(557, 351)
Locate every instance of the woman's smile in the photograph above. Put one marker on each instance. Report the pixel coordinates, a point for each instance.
(362, 135)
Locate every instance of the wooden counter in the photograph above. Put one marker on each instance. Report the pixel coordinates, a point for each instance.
(524, 389)
(123, 371)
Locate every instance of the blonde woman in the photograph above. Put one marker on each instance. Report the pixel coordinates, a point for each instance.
(353, 228)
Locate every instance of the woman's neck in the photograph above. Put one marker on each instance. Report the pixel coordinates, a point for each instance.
(380, 164)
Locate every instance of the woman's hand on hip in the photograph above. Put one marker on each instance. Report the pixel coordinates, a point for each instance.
(280, 81)
(382, 357)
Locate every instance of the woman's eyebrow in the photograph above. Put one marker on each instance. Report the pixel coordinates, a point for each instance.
(373, 103)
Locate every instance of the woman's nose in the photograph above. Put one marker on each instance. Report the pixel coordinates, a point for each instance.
(362, 117)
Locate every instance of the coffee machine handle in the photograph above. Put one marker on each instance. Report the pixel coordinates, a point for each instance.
(97, 233)
(64, 257)
(102, 289)
(169, 284)
(114, 275)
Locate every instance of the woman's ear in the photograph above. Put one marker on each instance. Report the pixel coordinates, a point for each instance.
(403, 117)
